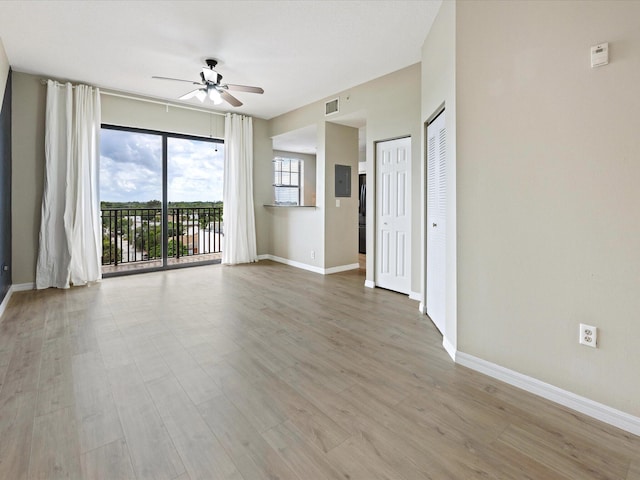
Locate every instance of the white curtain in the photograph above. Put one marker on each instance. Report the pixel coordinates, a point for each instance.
(70, 230)
(239, 217)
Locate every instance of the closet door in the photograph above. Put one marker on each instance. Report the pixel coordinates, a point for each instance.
(436, 220)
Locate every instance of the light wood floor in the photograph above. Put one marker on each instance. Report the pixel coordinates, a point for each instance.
(267, 372)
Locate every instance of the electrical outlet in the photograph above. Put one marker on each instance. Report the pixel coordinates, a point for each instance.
(588, 335)
(313, 254)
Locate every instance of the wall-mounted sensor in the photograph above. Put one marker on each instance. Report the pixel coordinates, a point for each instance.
(600, 55)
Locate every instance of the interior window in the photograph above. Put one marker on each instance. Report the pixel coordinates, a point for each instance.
(286, 182)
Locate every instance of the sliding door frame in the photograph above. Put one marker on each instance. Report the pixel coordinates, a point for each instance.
(165, 197)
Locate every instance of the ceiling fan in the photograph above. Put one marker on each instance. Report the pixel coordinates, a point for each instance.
(211, 86)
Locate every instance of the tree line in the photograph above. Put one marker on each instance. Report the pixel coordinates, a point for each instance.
(158, 204)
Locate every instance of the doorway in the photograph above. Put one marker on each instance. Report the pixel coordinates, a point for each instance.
(393, 214)
(362, 220)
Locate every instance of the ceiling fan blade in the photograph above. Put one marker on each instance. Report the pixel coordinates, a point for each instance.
(177, 80)
(210, 75)
(230, 99)
(244, 88)
(191, 94)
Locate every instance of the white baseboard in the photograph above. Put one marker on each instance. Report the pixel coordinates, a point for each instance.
(596, 410)
(450, 349)
(5, 301)
(292, 263)
(17, 287)
(21, 287)
(415, 296)
(370, 284)
(341, 268)
(311, 268)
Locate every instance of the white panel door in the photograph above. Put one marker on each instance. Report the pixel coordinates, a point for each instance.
(393, 216)
(436, 220)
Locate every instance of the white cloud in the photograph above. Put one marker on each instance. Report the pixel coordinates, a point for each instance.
(195, 170)
(131, 168)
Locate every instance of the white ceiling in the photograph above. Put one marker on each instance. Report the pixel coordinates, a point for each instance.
(298, 51)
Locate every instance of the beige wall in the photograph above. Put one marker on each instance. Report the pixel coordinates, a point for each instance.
(438, 90)
(297, 232)
(161, 117)
(4, 69)
(27, 179)
(341, 223)
(390, 108)
(262, 191)
(548, 172)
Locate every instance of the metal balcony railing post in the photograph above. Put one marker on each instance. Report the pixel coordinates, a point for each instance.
(177, 245)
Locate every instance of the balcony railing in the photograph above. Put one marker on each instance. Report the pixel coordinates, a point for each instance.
(135, 234)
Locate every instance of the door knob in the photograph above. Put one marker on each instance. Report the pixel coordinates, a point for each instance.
(435, 224)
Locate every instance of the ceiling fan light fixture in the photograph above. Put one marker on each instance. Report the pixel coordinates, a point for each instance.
(201, 95)
(215, 97)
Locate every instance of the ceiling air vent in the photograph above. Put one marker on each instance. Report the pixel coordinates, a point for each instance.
(331, 107)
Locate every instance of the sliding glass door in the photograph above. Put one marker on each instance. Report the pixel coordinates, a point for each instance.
(161, 200)
(195, 171)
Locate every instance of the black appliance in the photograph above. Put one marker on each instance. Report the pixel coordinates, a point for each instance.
(362, 213)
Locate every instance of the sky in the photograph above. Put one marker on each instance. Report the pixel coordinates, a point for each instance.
(131, 168)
